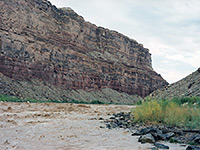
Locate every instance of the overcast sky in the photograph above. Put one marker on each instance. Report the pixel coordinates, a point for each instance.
(170, 29)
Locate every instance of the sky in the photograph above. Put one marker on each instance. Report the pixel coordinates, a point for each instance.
(170, 29)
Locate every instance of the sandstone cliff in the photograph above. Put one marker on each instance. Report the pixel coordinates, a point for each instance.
(187, 87)
(39, 41)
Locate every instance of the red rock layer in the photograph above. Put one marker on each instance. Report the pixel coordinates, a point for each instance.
(38, 40)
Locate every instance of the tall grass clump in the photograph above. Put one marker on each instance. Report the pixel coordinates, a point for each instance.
(176, 112)
(149, 111)
(176, 115)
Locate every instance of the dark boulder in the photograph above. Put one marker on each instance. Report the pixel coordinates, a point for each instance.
(148, 138)
(192, 148)
(161, 146)
(144, 131)
(160, 136)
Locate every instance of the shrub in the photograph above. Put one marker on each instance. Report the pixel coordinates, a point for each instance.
(149, 111)
(96, 102)
(139, 102)
(85, 102)
(176, 115)
(191, 101)
(169, 112)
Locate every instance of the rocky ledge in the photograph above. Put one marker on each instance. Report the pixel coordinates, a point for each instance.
(57, 46)
(155, 133)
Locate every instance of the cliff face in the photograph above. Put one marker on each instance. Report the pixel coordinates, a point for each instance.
(40, 41)
(187, 87)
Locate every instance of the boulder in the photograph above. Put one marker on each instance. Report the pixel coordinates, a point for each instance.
(147, 138)
(192, 148)
(161, 146)
(160, 136)
(144, 131)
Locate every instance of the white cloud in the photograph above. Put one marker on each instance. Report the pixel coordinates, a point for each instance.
(172, 75)
(169, 28)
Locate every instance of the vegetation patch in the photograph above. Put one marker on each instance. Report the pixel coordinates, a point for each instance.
(181, 112)
(84, 102)
(6, 98)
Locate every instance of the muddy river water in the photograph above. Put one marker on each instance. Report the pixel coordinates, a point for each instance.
(52, 126)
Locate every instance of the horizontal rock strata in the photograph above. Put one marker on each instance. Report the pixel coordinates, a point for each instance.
(40, 41)
(43, 91)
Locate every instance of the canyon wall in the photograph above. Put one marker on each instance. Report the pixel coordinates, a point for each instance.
(40, 41)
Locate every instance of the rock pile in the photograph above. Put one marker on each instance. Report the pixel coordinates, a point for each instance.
(154, 133)
(120, 120)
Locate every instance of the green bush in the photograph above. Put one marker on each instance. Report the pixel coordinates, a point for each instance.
(149, 111)
(96, 102)
(190, 101)
(139, 102)
(177, 112)
(176, 115)
(84, 102)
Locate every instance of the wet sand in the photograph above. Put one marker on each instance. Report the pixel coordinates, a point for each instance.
(52, 126)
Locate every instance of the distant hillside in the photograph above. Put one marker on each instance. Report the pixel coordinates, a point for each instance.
(187, 87)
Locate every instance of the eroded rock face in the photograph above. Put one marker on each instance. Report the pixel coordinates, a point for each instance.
(40, 41)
